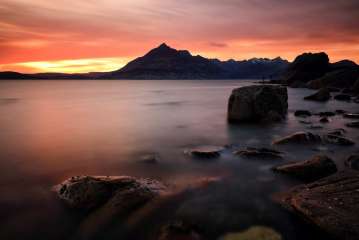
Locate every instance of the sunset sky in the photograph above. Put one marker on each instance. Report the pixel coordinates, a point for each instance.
(93, 35)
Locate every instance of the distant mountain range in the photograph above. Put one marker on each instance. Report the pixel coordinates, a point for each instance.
(165, 62)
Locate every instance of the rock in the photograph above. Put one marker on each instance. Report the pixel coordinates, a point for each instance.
(343, 97)
(337, 78)
(353, 124)
(88, 192)
(321, 96)
(315, 127)
(302, 113)
(352, 162)
(313, 169)
(254, 233)
(305, 122)
(326, 114)
(178, 231)
(324, 120)
(150, 158)
(334, 139)
(356, 87)
(205, 151)
(340, 111)
(306, 67)
(338, 132)
(299, 138)
(258, 104)
(351, 115)
(259, 153)
(330, 203)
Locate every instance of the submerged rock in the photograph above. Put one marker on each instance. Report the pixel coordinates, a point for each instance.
(302, 113)
(342, 97)
(259, 153)
(351, 115)
(315, 168)
(258, 104)
(178, 231)
(321, 96)
(299, 137)
(338, 140)
(88, 192)
(324, 120)
(352, 162)
(151, 158)
(205, 151)
(353, 124)
(330, 203)
(254, 233)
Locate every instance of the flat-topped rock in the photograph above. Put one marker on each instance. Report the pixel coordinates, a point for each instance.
(299, 137)
(258, 103)
(205, 151)
(317, 167)
(265, 153)
(330, 203)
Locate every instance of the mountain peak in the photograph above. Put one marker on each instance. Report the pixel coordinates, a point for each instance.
(164, 46)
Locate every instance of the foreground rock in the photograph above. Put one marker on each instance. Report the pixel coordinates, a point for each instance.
(89, 192)
(321, 96)
(299, 138)
(254, 233)
(205, 151)
(259, 153)
(352, 162)
(310, 170)
(258, 104)
(330, 203)
(353, 124)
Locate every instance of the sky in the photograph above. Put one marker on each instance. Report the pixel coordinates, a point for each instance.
(92, 35)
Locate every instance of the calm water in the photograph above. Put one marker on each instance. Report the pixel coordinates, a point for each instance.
(52, 130)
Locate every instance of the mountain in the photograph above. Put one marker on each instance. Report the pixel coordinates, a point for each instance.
(165, 62)
(314, 70)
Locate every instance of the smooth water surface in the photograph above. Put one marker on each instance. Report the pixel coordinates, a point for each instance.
(52, 130)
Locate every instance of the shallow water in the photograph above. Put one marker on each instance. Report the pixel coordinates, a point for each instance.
(52, 130)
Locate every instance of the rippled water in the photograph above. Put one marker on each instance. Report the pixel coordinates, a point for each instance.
(51, 130)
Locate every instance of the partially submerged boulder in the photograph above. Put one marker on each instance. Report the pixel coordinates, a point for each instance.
(254, 233)
(343, 97)
(302, 113)
(265, 153)
(88, 192)
(205, 151)
(330, 203)
(321, 96)
(338, 140)
(258, 104)
(351, 115)
(299, 137)
(317, 167)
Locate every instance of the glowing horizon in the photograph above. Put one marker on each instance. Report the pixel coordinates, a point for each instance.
(87, 36)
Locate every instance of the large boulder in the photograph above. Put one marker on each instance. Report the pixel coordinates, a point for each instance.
(317, 167)
(330, 203)
(306, 67)
(258, 103)
(89, 192)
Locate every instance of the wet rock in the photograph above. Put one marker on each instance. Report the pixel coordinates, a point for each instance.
(313, 169)
(205, 151)
(342, 97)
(150, 158)
(321, 96)
(302, 113)
(340, 111)
(351, 115)
(258, 104)
(88, 192)
(338, 132)
(324, 120)
(254, 233)
(305, 122)
(299, 138)
(338, 140)
(179, 231)
(259, 153)
(352, 162)
(330, 203)
(315, 127)
(353, 124)
(326, 114)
